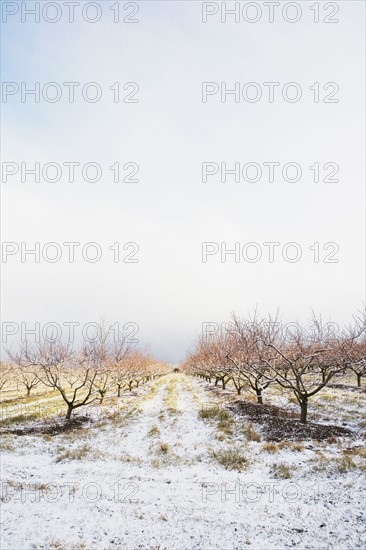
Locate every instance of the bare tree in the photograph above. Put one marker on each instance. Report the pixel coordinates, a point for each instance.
(246, 354)
(28, 377)
(5, 374)
(352, 347)
(309, 357)
(210, 360)
(214, 355)
(302, 359)
(55, 362)
(120, 353)
(95, 356)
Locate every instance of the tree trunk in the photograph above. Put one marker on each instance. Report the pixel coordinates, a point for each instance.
(259, 396)
(304, 410)
(323, 376)
(69, 411)
(223, 383)
(118, 391)
(216, 381)
(28, 392)
(358, 380)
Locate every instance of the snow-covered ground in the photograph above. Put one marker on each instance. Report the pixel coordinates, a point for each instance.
(159, 477)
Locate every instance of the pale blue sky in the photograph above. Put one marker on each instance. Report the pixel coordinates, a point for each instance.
(170, 212)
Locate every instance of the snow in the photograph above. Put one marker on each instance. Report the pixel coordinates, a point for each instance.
(127, 493)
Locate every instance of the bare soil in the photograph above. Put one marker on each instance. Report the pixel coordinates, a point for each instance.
(50, 428)
(278, 424)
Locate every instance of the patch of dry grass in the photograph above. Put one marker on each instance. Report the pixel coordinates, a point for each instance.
(128, 459)
(345, 464)
(358, 451)
(270, 447)
(163, 448)
(20, 419)
(232, 458)
(154, 431)
(215, 412)
(339, 465)
(171, 398)
(291, 446)
(7, 444)
(250, 433)
(79, 453)
(327, 396)
(226, 427)
(282, 470)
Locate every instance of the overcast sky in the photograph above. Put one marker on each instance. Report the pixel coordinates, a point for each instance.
(169, 133)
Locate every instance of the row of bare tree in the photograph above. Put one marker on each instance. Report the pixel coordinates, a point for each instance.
(257, 352)
(80, 376)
